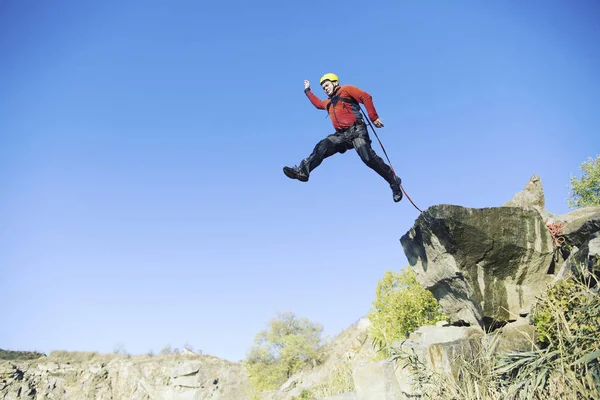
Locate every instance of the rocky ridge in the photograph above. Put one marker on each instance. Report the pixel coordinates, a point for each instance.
(485, 266)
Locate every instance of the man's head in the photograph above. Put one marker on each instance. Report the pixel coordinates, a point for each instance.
(329, 82)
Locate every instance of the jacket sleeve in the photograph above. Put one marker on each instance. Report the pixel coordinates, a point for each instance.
(363, 97)
(320, 104)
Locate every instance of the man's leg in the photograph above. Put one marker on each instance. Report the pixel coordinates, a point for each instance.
(373, 161)
(362, 144)
(325, 148)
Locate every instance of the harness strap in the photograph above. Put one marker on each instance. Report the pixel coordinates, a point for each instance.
(344, 99)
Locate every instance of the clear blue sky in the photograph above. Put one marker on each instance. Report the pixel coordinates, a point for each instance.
(141, 146)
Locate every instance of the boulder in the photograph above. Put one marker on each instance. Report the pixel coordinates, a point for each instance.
(583, 262)
(531, 196)
(485, 266)
(580, 225)
(376, 381)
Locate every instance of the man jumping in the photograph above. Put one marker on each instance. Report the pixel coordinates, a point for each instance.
(344, 110)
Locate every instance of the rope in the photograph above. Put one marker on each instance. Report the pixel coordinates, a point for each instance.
(557, 240)
(388, 159)
(556, 230)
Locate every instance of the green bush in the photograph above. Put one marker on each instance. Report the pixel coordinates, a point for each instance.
(585, 192)
(339, 380)
(287, 346)
(19, 355)
(566, 309)
(401, 306)
(305, 395)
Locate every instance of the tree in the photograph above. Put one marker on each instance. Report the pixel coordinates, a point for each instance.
(585, 192)
(288, 345)
(401, 306)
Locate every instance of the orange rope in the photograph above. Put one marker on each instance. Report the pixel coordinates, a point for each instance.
(556, 232)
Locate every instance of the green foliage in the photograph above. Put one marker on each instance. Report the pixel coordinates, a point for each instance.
(585, 192)
(401, 306)
(339, 380)
(566, 365)
(19, 355)
(287, 346)
(570, 310)
(305, 395)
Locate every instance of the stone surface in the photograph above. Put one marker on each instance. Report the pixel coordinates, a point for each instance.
(343, 396)
(123, 377)
(531, 196)
(483, 265)
(343, 352)
(581, 225)
(376, 381)
(583, 261)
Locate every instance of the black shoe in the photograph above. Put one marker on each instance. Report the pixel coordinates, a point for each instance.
(295, 173)
(397, 190)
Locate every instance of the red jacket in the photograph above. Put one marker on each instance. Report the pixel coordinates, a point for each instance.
(343, 107)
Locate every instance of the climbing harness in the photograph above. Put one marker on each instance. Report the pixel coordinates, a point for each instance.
(388, 159)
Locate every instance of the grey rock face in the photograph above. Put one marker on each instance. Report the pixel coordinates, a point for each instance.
(531, 196)
(583, 262)
(118, 377)
(580, 225)
(376, 381)
(484, 266)
(343, 396)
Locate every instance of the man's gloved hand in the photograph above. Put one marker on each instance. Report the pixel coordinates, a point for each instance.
(306, 84)
(378, 123)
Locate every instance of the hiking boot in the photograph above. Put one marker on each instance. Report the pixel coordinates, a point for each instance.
(295, 173)
(397, 190)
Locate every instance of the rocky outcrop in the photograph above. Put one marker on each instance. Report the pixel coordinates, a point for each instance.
(531, 196)
(123, 377)
(485, 266)
(377, 381)
(580, 243)
(334, 379)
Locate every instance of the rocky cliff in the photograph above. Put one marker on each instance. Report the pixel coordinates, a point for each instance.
(485, 266)
(111, 377)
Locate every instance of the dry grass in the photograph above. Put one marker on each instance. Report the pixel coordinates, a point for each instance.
(567, 366)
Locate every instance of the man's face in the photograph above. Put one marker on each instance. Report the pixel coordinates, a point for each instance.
(328, 87)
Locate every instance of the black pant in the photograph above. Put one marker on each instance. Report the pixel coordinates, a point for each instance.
(355, 137)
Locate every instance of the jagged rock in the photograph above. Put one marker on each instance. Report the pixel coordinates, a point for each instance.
(580, 225)
(583, 261)
(531, 196)
(436, 349)
(133, 378)
(343, 352)
(485, 266)
(185, 368)
(513, 337)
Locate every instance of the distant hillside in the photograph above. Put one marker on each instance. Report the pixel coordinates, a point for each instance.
(19, 355)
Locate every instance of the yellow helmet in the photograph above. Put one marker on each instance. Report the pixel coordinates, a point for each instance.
(328, 77)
